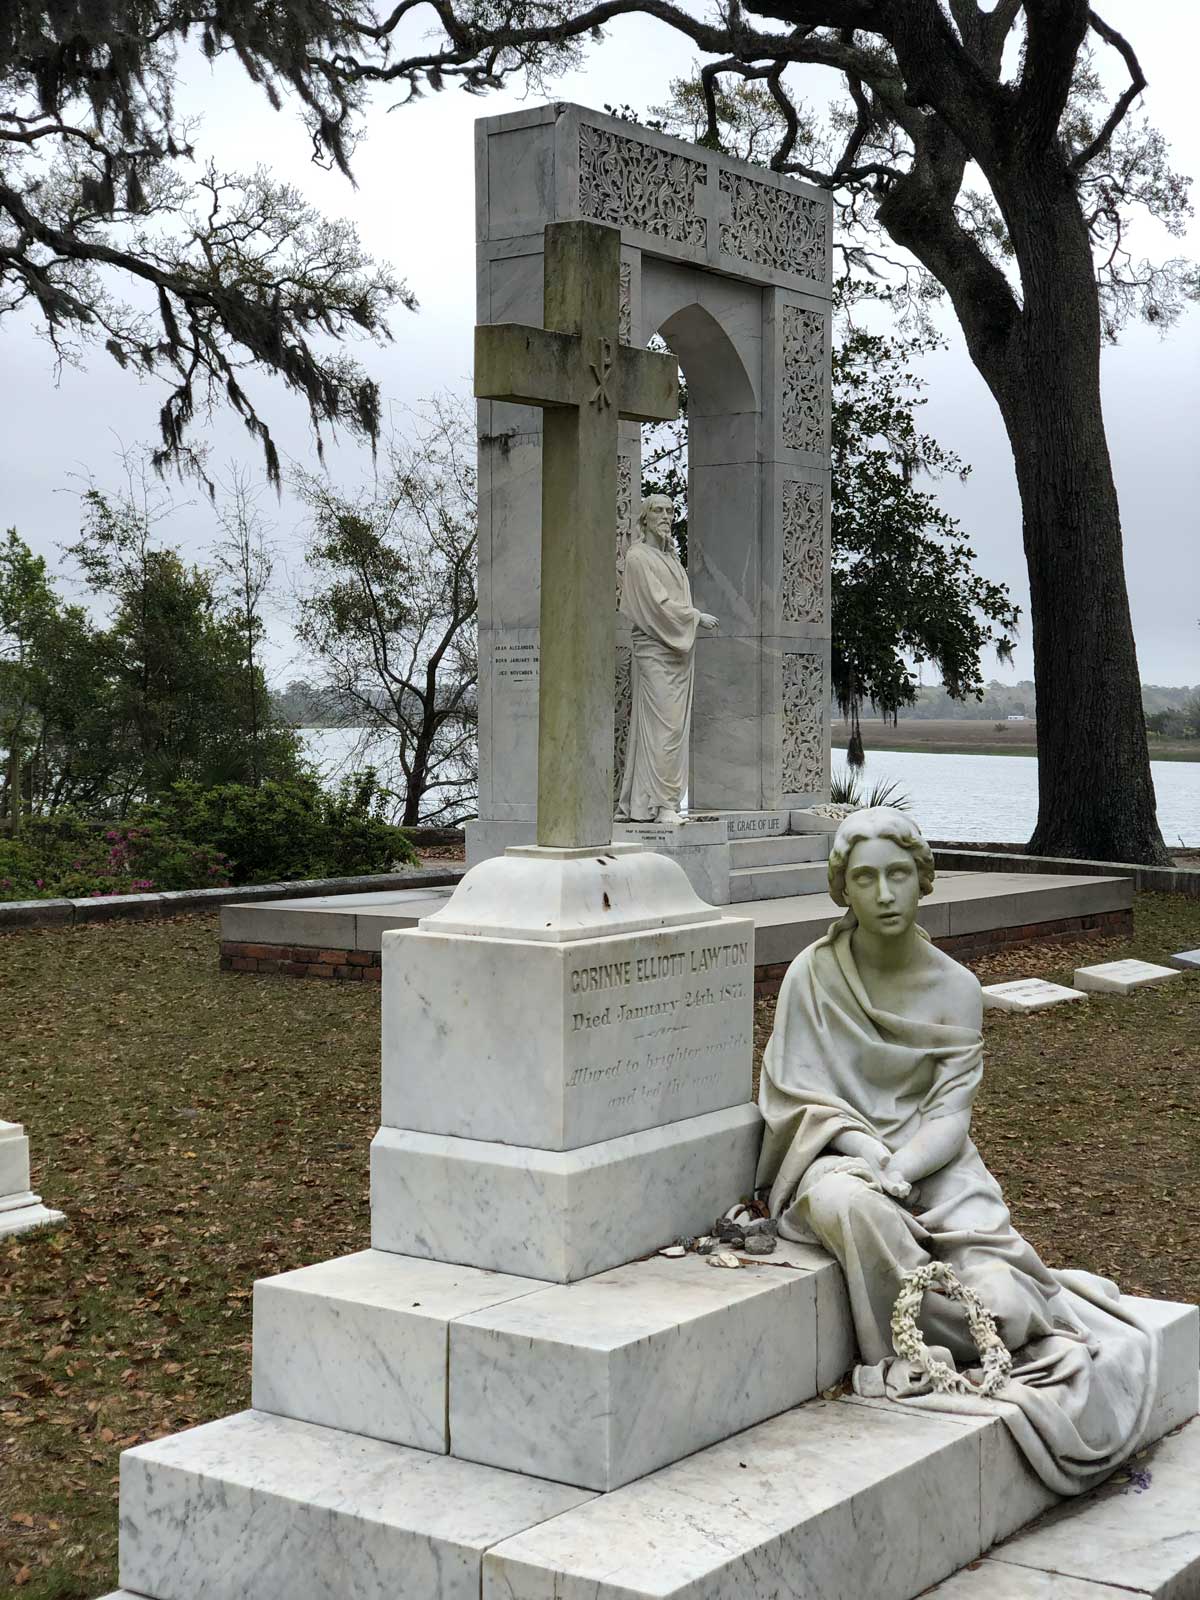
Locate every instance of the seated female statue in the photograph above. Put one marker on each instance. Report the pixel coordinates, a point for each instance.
(867, 1087)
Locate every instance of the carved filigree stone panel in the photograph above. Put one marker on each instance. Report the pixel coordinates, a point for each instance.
(625, 305)
(803, 378)
(623, 708)
(774, 227)
(802, 592)
(803, 731)
(635, 185)
(624, 516)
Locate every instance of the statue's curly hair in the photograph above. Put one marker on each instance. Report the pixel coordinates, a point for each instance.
(877, 822)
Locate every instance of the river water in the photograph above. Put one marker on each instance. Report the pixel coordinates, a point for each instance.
(966, 797)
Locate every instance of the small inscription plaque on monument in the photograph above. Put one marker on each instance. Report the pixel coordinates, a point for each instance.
(654, 1030)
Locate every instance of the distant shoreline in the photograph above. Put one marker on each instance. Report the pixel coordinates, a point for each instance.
(969, 737)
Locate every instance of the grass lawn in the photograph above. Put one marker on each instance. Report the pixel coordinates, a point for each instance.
(202, 1130)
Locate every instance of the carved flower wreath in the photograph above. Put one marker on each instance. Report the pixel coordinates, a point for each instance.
(908, 1343)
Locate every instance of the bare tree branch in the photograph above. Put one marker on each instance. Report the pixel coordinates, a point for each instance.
(1137, 82)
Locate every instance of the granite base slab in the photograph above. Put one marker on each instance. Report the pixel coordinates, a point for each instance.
(558, 1215)
(362, 1343)
(560, 1045)
(1024, 995)
(264, 1508)
(598, 1383)
(1122, 977)
(1186, 960)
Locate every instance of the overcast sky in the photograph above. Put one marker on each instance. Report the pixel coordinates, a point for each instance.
(415, 207)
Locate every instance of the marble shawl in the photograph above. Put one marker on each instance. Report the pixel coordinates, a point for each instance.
(657, 599)
(1083, 1384)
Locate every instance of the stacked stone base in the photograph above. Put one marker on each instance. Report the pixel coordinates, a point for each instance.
(656, 1430)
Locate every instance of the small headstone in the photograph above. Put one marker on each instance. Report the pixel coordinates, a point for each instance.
(1121, 977)
(1027, 994)
(1186, 960)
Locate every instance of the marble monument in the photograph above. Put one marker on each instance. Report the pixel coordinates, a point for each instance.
(657, 599)
(867, 1087)
(512, 1394)
(20, 1208)
(731, 265)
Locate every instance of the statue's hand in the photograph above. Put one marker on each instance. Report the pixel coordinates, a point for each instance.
(892, 1178)
(709, 622)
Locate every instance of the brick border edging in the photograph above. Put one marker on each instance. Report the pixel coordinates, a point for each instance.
(16, 914)
(363, 966)
(1156, 880)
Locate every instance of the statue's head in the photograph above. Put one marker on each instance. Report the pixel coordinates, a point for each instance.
(656, 517)
(879, 866)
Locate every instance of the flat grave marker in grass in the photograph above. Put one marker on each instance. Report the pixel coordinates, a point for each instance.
(1122, 977)
(1186, 960)
(1027, 994)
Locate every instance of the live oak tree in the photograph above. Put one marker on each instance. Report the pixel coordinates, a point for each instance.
(979, 141)
(114, 232)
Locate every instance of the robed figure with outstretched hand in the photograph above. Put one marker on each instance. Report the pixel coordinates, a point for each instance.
(657, 599)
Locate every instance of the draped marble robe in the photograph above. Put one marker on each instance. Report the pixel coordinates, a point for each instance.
(657, 599)
(1085, 1368)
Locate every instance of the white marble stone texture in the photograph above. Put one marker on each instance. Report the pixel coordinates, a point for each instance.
(556, 895)
(263, 1508)
(994, 1580)
(826, 1502)
(14, 1160)
(601, 1382)
(557, 1215)
(1122, 977)
(21, 1218)
(362, 1343)
(558, 1046)
(1186, 960)
(1144, 1539)
(805, 820)
(776, 882)
(779, 849)
(1027, 994)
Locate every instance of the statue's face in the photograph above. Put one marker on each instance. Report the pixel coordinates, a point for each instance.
(882, 887)
(658, 521)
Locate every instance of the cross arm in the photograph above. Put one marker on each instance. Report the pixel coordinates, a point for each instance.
(648, 386)
(527, 366)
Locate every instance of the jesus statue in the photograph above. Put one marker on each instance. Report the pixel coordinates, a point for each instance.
(657, 599)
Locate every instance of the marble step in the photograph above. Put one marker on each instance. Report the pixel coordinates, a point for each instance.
(265, 1508)
(780, 849)
(772, 883)
(837, 1500)
(593, 1383)
(559, 1215)
(1139, 1534)
(833, 1500)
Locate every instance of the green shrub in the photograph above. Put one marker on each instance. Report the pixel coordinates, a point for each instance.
(208, 838)
(67, 856)
(292, 829)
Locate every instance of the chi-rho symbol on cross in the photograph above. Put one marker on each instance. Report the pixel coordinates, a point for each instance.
(576, 369)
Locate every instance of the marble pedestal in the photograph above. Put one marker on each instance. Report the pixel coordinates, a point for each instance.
(566, 1066)
(20, 1208)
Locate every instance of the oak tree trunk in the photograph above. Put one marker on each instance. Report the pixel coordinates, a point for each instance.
(1041, 360)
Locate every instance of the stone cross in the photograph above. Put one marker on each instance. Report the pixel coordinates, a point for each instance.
(584, 379)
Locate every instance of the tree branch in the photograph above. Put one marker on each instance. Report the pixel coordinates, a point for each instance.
(1137, 82)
